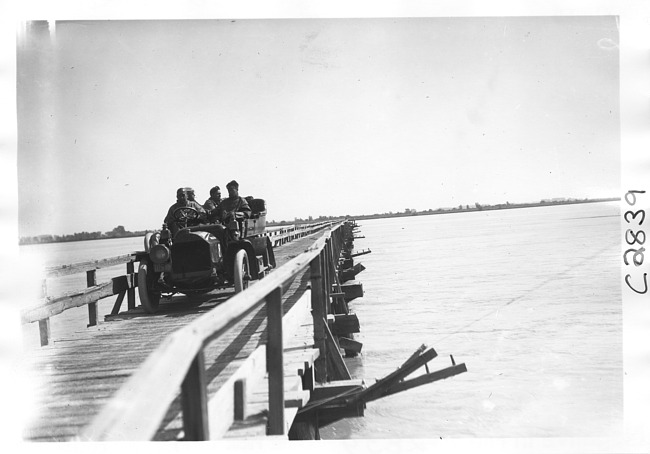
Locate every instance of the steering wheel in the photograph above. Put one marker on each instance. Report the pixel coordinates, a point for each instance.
(183, 215)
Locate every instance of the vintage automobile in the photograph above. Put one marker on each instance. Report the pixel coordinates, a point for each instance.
(199, 257)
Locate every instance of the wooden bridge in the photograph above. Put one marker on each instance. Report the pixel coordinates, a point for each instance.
(264, 362)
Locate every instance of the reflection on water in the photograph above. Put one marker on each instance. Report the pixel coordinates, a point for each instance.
(529, 299)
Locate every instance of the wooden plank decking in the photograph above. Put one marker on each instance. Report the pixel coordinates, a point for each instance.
(77, 374)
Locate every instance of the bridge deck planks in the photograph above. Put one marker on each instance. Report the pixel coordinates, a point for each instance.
(79, 372)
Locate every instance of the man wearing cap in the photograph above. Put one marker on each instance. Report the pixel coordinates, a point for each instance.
(234, 207)
(190, 194)
(182, 200)
(212, 204)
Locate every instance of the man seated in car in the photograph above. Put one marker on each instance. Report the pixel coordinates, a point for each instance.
(178, 218)
(211, 205)
(233, 207)
(190, 194)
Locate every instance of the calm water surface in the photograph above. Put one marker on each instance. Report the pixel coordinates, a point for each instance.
(529, 299)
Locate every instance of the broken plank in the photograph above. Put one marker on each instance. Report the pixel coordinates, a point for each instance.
(424, 379)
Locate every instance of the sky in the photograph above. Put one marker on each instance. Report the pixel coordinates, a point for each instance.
(317, 116)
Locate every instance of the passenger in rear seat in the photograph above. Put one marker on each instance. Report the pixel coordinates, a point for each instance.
(211, 205)
(234, 207)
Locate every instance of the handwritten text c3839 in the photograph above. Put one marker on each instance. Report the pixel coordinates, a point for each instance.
(636, 239)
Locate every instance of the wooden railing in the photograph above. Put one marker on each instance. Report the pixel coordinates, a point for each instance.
(51, 306)
(121, 286)
(177, 365)
(282, 235)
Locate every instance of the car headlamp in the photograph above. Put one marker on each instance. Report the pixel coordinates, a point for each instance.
(159, 253)
(154, 240)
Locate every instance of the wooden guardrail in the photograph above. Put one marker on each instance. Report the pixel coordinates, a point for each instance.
(282, 235)
(48, 307)
(136, 411)
(121, 286)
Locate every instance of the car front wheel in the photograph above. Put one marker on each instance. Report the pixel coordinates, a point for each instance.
(149, 299)
(241, 272)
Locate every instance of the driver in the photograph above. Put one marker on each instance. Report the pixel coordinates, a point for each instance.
(234, 206)
(182, 200)
(190, 194)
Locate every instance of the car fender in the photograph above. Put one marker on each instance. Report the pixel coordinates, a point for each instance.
(262, 245)
(233, 248)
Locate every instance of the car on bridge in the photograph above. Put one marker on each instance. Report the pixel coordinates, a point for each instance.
(200, 258)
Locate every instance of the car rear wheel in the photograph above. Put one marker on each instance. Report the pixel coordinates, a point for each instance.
(241, 272)
(270, 256)
(149, 299)
(268, 261)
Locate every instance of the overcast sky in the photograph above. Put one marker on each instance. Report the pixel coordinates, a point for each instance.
(317, 116)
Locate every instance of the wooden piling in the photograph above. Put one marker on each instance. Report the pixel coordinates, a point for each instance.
(305, 430)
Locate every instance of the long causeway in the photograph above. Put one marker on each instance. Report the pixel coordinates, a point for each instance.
(78, 373)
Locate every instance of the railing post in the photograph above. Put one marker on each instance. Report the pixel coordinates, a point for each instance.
(317, 312)
(194, 401)
(44, 331)
(275, 362)
(91, 281)
(327, 275)
(336, 238)
(332, 265)
(130, 293)
(44, 288)
(240, 400)
(44, 325)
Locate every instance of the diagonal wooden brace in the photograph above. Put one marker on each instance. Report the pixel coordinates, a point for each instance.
(339, 370)
(422, 380)
(417, 360)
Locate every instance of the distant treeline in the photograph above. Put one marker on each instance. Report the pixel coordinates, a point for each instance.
(460, 208)
(121, 232)
(308, 220)
(117, 232)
